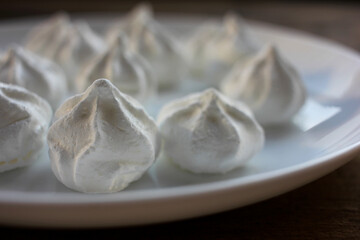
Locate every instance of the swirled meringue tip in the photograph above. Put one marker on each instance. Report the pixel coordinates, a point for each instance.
(24, 121)
(59, 19)
(39, 75)
(151, 40)
(68, 44)
(207, 132)
(232, 22)
(126, 69)
(54, 26)
(142, 12)
(102, 140)
(269, 53)
(269, 85)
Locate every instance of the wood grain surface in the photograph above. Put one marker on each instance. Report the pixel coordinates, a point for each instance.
(328, 208)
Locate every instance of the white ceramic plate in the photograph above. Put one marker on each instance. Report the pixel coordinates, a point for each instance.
(323, 137)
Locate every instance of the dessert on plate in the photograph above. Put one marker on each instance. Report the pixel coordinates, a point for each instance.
(126, 69)
(37, 74)
(150, 39)
(269, 85)
(207, 132)
(101, 140)
(24, 121)
(71, 45)
(126, 23)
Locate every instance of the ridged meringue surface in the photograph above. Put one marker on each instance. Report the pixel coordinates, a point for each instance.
(208, 133)
(71, 45)
(213, 49)
(271, 87)
(149, 38)
(126, 69)
(102, 140)
(39, 75)
(24, 121)
(46, 38)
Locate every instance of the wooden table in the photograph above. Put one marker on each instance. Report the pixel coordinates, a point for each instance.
(328, 208)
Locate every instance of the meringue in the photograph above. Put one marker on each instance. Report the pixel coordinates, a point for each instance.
(101, 140)
(213, 49)
(46, 38)
(271, 87)
(39, 75)
(148, 38)
(127, 70)
(69, 45)
(141, 12)
(25, 118)
(208, 133)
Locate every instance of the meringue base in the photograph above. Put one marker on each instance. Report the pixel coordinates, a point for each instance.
(23, 161)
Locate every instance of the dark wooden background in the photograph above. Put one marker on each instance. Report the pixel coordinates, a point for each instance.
(328, 208)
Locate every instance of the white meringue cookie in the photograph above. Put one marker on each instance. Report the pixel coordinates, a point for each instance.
(102, 140)
(208, 133)
(148, 38)
(214, 49)
(269, 85)
(24, 121)
(36, 74)
(127, 70)
(74, 44)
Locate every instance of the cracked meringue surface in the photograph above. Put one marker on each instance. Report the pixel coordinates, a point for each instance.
(39, 75)
(71, 45)
(101, 140)
(24, 121)
(208, 133)
(270, 85)
(126, 69)
(213, 49)
(150, 39)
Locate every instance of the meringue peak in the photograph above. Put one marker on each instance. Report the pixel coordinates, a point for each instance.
(126, 69)
(142, 12)
(232, 23)
(101, 84)
(102, 99)
(150, 39)
(68, 44)
(270, 54)
(210, 101)
(24, 68)
(210, 95)
(269, 85)
(102, 140)
(60, 18)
